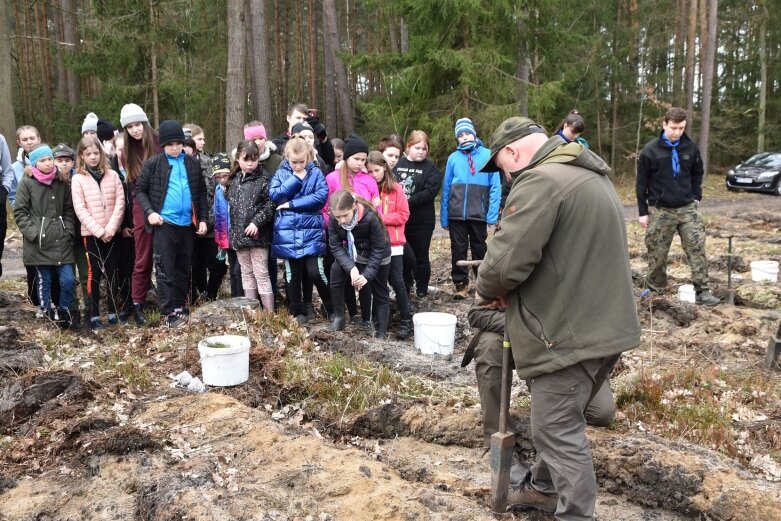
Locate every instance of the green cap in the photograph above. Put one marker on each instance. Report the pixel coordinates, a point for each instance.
(511, 129)
(63, 150)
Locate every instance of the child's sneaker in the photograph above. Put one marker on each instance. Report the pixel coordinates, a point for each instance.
(176, 319)
(95, 324)
(112, 319)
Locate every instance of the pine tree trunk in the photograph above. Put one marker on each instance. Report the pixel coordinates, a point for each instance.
(761, 130)
(342, 86)
(708, 74)
(331, 120)
(71, 45)
(7, 119)
(522, 69)
(403, 35)
(25, 54)
(312, 33)
(261, 89)
(680, 36)
(299, 56)
(235, 90)
(279, 76)
(59, 52)
(153, 57)
(691, 35)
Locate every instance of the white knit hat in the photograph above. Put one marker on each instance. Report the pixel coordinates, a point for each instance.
(132, 113)
(90, 123)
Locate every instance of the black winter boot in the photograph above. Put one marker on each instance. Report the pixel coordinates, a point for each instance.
(382, 316)
(138, 314)
(405, 329)
(337, 301)
(72, 320)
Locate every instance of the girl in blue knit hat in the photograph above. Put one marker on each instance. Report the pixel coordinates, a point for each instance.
(44, 214)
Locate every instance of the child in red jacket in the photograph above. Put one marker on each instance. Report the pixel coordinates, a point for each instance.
(395, 212)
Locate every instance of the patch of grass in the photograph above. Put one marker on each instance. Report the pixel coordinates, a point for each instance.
(709, 406)
(13, 285)
(342, 385)
(131, 369)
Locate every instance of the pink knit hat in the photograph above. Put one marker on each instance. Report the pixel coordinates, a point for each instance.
(255, 132)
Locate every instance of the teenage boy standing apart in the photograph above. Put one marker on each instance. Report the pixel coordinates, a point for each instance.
(470, 202)
(169, 190)
(669, 179)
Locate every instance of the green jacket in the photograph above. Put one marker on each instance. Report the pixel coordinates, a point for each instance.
(562, 259)
(45, 217)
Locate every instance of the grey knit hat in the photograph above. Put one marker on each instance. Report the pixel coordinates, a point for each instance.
(131, 113)
(90, 123)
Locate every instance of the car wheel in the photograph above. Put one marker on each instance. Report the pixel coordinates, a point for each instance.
(729, 188)
(777, 191)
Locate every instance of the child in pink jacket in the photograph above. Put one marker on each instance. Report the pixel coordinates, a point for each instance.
(99, 203)
(352, 176)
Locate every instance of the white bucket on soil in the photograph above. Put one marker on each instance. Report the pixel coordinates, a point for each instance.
(686, 293)
(764, 270)
(224, 360)
(435, 333)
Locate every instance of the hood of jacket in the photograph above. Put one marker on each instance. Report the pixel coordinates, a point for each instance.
(556, 150)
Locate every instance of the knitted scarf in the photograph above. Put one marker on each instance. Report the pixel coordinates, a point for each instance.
(673, 145)
(351, 251)
(46, 179)
(467, 148)
(96, 174)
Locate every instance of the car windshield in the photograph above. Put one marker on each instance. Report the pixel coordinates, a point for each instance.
(765, 160)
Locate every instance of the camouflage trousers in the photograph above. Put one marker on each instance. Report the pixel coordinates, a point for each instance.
(663, 225)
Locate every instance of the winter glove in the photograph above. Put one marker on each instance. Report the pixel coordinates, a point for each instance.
(221, 254)
(317, 127)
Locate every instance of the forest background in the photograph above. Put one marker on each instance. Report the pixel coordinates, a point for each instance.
(377, 68)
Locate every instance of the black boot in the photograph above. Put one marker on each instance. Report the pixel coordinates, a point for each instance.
(127, 310)
(337, 301)
(405, 329)
(381, 313)
(74, 320)
(138, 314)
(337, 324)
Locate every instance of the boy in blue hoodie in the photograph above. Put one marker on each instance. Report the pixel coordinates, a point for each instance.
(470, 202)
(172, 194)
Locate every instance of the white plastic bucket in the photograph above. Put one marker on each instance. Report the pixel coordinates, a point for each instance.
(225, 365)
(686, 293)
(435, 333)
(764, 270)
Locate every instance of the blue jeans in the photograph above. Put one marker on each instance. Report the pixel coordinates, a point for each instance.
(67, 277)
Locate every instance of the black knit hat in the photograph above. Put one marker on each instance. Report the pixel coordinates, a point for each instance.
(106, 131)
(354, 144)
(300, 127)
(170, 130)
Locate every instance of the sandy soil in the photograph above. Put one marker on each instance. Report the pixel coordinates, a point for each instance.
(99, 447)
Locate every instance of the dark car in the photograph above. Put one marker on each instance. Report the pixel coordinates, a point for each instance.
(761, 173)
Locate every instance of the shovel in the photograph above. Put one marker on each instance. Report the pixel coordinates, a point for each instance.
(503, 441)
(773, 350)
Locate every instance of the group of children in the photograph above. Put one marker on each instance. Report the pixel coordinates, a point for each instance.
(342, 219)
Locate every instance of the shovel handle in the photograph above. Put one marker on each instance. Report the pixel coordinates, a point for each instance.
(504, 402)
(467, 263)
